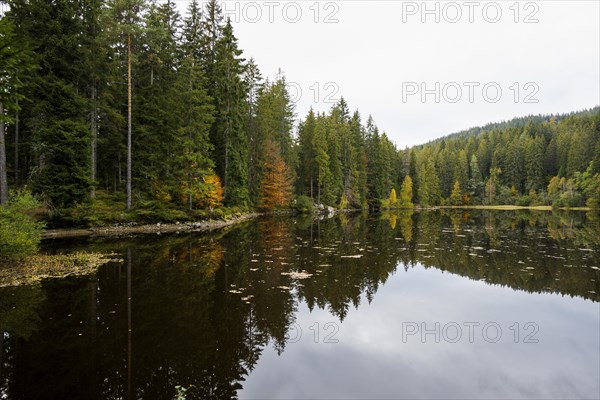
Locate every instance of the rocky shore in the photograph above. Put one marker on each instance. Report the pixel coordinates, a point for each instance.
(158, 228)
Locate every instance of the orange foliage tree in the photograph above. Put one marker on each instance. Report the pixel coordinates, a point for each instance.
(205, 191)
(276, 188)
(213, 192)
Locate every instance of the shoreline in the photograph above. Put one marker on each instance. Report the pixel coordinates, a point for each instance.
(210, 225)
(514, 208)
(158, 228)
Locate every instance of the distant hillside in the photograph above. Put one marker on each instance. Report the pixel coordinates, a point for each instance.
(517, 122)
(533, 160)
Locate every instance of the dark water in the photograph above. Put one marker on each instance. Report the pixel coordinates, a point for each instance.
(423, 305)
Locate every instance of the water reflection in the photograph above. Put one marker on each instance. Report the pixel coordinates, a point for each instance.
(218, 316)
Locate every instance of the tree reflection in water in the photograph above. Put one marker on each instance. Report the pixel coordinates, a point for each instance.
(204, 308)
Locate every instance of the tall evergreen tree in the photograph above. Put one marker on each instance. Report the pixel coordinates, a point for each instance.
(124, 26)
(476, 179)
(229, 137)
(14, 63)
(56, 118)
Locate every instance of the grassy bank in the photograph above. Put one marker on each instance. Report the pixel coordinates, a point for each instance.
(34, 268)
(108, 209)
(159, 227)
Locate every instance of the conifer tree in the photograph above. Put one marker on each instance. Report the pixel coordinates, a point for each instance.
(476, 180)
(229, 138)
(124, 26)
(14, 63)
(406, 193)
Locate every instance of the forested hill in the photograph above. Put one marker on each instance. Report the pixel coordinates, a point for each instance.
(127, 110)
(526, 161)
(517, 122)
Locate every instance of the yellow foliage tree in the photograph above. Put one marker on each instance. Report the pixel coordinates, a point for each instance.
(456, 195)
(393, 198)
(276, 188)
(406, 193)
(213, 192)
(205, 191)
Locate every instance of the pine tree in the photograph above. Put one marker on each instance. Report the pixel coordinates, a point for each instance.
(124, 26)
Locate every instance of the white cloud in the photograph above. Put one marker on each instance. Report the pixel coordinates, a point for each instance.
(370, 52)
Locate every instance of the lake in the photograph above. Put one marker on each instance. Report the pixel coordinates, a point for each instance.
(430, 304)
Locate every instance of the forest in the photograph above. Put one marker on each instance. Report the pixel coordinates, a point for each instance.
(127, 110)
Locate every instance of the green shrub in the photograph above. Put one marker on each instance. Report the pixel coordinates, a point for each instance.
(151, 211)
(523, 201)
(22, 200)
(20, 234)
(303, 204)
(344, 203)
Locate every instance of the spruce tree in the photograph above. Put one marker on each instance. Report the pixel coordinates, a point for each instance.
(14, 64)
(229, 137)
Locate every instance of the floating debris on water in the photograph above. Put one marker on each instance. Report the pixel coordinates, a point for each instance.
(297, 275)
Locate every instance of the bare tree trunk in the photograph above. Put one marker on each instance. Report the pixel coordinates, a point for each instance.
(1, 351)
(319, 189)
(128, 121)
(17, 147)
(3, 178)
(94, 127)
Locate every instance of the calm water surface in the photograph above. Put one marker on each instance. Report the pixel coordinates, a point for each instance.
(408, 305)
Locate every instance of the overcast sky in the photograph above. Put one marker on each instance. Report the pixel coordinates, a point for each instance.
(380, 55)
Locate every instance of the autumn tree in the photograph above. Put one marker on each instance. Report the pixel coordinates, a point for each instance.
(393, 199)
(276, 189)
(456, 195)
(206, 191)
(212, 193)
(406, 193)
